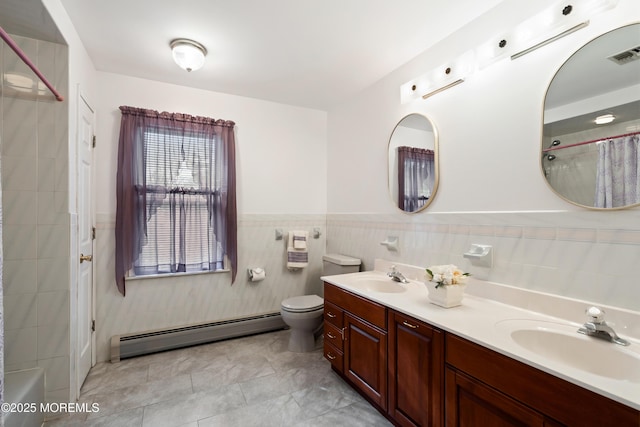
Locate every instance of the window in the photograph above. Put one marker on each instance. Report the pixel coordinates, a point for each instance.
(176, 194)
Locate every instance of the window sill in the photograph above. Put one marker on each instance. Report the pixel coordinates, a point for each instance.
(163, 275)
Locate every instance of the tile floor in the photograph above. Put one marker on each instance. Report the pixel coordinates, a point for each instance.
(250, 381)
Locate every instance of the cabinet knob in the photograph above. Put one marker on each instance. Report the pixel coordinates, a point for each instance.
(331, 315)
(409, 325)
(330, 356)
(330, 335)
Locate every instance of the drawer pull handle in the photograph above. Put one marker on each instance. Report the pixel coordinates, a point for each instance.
(331, 315)
(330, 335)
(405, 323)
(331, 356)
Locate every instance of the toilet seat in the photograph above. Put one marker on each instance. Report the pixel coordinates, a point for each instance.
(303, 304)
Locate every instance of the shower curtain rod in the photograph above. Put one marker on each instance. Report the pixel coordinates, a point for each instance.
(560, 147)
(7, 38)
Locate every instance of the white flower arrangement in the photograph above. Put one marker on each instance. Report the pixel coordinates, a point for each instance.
(446, 275)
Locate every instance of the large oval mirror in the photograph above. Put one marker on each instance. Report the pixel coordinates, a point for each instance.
(413, 163)
(590, 151)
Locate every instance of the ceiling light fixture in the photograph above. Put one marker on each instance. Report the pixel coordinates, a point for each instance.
(188, 54)
(603, 120)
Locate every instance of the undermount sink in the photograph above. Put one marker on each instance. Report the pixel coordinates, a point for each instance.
(376, 283)
(562, 343)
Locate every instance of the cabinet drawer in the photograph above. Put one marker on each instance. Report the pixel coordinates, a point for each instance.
(333, 335)
(372, 312)
(334, 356)
(333, 315)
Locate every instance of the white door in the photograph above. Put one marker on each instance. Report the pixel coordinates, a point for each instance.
(85, 242)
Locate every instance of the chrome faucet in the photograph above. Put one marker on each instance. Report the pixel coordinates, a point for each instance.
(595, 326)
(396, 275)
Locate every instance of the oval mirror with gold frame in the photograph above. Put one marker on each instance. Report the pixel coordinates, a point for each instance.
(413, 163)
(591, 123)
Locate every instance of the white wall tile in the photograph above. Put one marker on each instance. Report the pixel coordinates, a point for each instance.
(46, 174)
(53, 308)
(574, 258)
(56, 372)
(20, 346)
(53, 241)
(53, 275)
(53, 340)
(19, 277)
(18, 173)
(19, 242)
(20, 311)
(19, 207)
(19, 133)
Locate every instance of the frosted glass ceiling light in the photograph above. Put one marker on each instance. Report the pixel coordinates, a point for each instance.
(189, 55)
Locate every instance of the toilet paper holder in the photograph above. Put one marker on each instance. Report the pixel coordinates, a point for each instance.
(256, 274)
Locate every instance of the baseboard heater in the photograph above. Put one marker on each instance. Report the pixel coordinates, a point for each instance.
(131, 345)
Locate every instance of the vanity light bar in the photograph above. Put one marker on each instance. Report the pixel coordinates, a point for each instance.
(450, 85)
(439, 79)
(550, 40)
(555, 22)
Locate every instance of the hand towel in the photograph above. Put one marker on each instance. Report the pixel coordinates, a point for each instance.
(300, 239)
(296, 258)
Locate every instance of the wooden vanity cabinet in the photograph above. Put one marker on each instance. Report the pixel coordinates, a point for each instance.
(363, 329)
(486, 388)
(418, 375)
(416, 372)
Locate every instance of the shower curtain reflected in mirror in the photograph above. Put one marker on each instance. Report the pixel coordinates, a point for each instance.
(571, 172)
(416, 177)
(618, 172)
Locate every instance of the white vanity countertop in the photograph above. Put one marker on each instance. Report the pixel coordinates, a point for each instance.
(476, 321)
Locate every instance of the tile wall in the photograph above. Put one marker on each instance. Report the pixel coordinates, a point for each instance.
(35, 170)
(158, 303)
(592, 256)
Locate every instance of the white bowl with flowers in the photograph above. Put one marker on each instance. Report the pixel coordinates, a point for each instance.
(446, 285)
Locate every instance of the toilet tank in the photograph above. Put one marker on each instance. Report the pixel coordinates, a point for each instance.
(339, 264)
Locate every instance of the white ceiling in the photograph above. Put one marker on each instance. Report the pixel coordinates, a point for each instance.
(308, 53)
(311, 54)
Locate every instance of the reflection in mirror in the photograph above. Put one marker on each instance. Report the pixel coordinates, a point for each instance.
(413, 163)
(590, 147)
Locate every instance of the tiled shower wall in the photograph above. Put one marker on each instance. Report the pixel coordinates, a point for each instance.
(591, 255)
(35, 170)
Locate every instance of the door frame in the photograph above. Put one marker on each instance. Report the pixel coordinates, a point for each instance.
(75, 380)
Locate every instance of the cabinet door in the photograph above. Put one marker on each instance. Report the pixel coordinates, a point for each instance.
(471, 403)
(416, 372)
(365, 358)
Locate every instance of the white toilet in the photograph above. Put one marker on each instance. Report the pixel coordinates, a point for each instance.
(303, 314)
